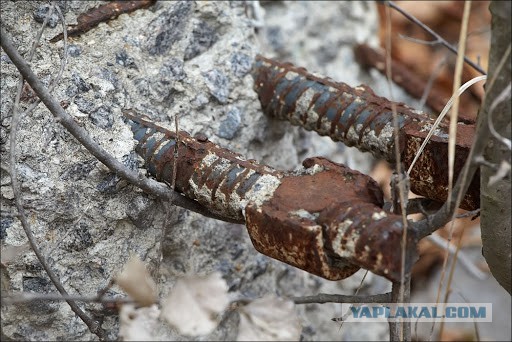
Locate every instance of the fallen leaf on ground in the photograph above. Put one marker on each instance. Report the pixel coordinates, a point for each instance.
(136, 281)
(195, 303)
(137, 324)
(269, 319)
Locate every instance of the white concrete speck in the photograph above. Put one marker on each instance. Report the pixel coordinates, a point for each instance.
(314, 169)
(379, 215)
(263, 189)
(302, 104)
(347, 249)
(304, 214)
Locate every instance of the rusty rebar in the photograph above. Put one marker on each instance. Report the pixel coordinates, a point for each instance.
(217, 178)
(325, 219)
(358, 117)
(102, 13)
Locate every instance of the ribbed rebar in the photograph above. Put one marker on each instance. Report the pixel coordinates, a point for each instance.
(217, 178)
(325, 218)
(357, 117)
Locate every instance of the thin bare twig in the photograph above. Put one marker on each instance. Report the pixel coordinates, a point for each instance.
(82, 136)
(435, 73)
(441, 116)
(451, 161)
(455, 109)
(400, 293)
(93, 326)
(475, 325)
(450, 277)
(342, 319)
(323, 298)
(63, 63)
(420, 41)
(433, 34)
(174, 166)
(464, 259)
(398, 331)
(166, 205)
(25, 297)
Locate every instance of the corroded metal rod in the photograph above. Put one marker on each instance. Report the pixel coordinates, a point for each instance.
(325, 219)
(90, 19)
(358, 117)
(217, 178)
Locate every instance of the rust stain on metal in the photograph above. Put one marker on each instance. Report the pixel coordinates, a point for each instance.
(358, 117)
(355, 116)
(325, 218)
(103, 13)
(429, 176)
(329, 223)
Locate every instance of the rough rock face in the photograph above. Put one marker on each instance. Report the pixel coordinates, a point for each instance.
(185, 58)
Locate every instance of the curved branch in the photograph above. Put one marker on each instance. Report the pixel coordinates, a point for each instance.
(93, 326)
(30, 297)
(83, 137)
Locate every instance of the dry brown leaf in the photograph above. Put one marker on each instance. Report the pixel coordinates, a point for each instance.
(269, 319)
(456, 335)
(382, 174)
(194, 304)
(432, 255)
(443, 17)
(137, 283)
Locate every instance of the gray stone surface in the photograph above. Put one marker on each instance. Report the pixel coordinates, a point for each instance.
(230, 125)
(189, 59)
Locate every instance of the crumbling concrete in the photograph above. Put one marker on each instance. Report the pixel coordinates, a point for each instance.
(190, 59)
